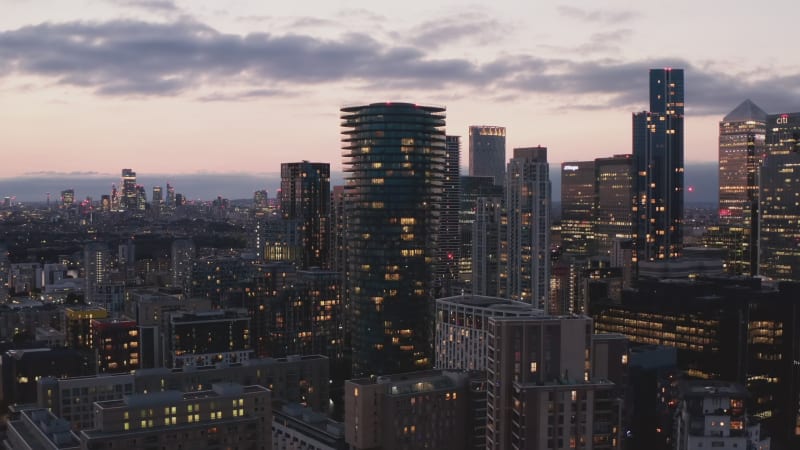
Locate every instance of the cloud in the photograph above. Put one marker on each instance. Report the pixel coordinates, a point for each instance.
(597, 15)
(471, 27)
(126, 58)
(157, 6)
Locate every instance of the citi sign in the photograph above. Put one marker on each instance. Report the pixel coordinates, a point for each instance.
(782, 120)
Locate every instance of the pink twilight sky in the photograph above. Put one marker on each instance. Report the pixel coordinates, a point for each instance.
(174, 87)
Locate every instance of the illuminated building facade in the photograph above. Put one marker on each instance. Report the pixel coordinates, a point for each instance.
(306, 198)
(546, 388)
(116, 343)
(779, 234)
(658, 160)
(614, 199)
(472, 189)
(726, 328)
(182, 257)
(394, 158)
(715, 415)
(487, 152)
(129, 195)
(449, 242)
(528, 209)
(783, 133)
(67, 198)
(96, 264)
(462, 328)
(428, 409)
(228, 415)
(577, 207)
(208, 338)
(741, 151)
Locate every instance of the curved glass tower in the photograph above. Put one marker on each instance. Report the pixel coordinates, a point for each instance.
(394, 157)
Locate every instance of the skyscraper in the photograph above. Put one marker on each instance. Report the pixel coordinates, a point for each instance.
(96, 261)
(614, 198)
(658, 157)
(129, 194)
(394, 158)
(779, 237)
(487, 152)
(783, 133)
(577, 207)
(472, 190)
(741, 152)
(306, 198)
(449, 236)
(528, 209)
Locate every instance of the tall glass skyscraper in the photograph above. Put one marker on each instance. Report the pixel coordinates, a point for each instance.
(394, 158)
(613, 189)
(306, 198)
(658, 160)
(779, 233)
(577, 207)
(741, 152)
(487, 152)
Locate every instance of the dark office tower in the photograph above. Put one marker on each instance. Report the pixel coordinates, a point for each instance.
(449, 236)
(338, 218)
(487, 152)
(472, 189)
(783, 133)
(614, 198)
(129, 194)
(141, 198)
(658, 159)
(779, 239)
(170, 200)
(741, 152)
(96, 262)
(158, 198)
(528, 210)
(306, 198)
(577, 207)
(394, 158)
(260, 199)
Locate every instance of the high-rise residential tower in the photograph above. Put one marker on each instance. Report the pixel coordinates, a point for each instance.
(487, 152)
(741, 152)
(658, 159)
(96, 262)
(577, 207)
(394, 158)
(528, 209)
(306, 198)
(449, 235)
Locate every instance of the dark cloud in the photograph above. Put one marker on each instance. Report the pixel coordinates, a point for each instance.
(250, 94)
(135, 58)
(158, 6)
(596, 15)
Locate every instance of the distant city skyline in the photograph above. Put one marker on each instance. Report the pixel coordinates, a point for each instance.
(700, 176)
(181, 87)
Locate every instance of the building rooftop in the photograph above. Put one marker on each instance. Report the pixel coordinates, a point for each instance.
(711, 388)
(413, 382)
(747, 110)
(498, 303)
